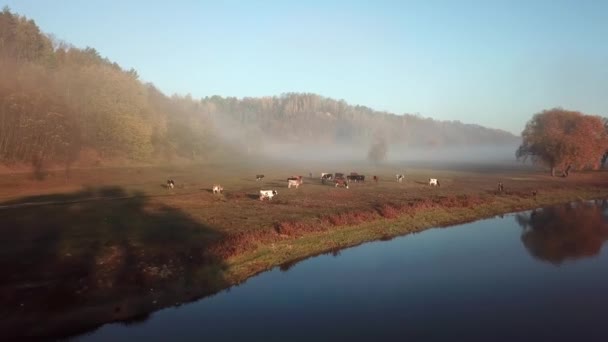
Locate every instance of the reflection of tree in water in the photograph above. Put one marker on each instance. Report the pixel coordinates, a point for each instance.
(565, 232)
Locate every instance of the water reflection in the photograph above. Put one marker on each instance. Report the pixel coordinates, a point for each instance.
(566, 232)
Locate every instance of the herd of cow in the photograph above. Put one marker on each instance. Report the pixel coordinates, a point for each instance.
(338, 179)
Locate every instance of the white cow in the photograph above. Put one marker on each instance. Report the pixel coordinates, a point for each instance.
(433, 182)
(267, 194)
(399, 178)
(293, 182)
(217, 189)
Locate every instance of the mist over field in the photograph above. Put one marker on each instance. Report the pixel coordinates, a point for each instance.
(396, 153)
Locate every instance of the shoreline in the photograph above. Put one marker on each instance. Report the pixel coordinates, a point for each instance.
(287, 250)
(299, 248)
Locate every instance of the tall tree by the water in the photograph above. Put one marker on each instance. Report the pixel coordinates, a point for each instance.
(564, 139)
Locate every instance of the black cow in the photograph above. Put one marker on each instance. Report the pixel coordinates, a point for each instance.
(355, 178)
(258, 177)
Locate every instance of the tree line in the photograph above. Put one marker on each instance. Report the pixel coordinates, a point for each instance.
(311, 118)
(59, 103)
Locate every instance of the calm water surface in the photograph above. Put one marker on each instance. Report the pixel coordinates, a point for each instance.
(532, 276)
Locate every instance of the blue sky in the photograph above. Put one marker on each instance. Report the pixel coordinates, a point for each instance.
(489, 62)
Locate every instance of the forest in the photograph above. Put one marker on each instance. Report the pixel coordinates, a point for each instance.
(61, 105)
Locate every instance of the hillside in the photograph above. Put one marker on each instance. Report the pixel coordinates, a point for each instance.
(63, 105)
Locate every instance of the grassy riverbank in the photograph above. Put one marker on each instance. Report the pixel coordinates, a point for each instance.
(300, 247)
(113, 244)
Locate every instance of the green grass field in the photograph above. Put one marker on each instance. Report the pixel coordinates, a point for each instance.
(108, 244)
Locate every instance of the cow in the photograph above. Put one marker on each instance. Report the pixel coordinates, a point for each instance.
(433, 182)
(296, 178)
(293, 182)
(341, 182)
(501, 187)
(269, 194)
(376, 179)
(170, 183)
(400, 178)
(326, 176)
(217, 189)
(258, 177)
(355, 178)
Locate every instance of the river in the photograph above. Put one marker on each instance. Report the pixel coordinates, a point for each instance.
(531, 276)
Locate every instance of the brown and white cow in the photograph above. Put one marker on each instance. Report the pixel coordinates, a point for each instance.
(341, 183)
(293, 182)
(217, 189)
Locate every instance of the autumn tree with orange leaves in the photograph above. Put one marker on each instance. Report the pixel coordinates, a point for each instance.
(564, 139)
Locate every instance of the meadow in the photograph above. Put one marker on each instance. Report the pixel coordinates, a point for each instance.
(105, 244)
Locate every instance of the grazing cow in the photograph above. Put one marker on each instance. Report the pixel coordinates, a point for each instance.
(326, 176)
(341, 182)
(433, 182)
(296, 178)
(376, 179)
(501, 187)
(400, 178)
(293, 182)
(217, 189)
(258, 177)
(267, 194)
(170, 183)
(355, 178)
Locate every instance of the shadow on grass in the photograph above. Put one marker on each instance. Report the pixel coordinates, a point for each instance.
(254, 196)
(71, 267)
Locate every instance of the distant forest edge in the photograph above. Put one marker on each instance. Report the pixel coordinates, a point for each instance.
(61, 105)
